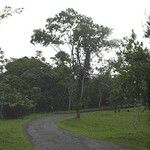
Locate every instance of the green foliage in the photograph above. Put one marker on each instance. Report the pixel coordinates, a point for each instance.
(3, 61)
(32, 82)
(132, 68)
(24, 64)
(61, 58)
(97, 90)
(147, 32)
(83, 37)
(13, 97)
(39, 56)
(8, 11)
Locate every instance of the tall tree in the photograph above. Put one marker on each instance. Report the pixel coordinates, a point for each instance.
(132, 66)
(147, 35)
(84, 39)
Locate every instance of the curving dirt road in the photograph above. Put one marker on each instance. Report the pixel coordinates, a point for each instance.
(45, 135)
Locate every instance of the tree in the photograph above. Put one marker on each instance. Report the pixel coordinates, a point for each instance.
(13, 102)
(132, 70)
(147, 35)
(27, 76)
(147, 31)
(21, 65)
(39, 56)
(37, 80)
(84, 39)
(8, 11)
(96, 94)
(3, 61)
(61, 59)
(63, 73)
(2, 68)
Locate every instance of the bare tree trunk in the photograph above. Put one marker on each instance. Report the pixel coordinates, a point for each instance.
(34, 108)
(2, 111)
(69, 105)
(69, 98)
(78, 112)
(82, 73)
(100, 99)
(148, 95)
(79, 95)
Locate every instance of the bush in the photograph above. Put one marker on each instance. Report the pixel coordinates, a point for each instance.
(13, 104)
(15, 111)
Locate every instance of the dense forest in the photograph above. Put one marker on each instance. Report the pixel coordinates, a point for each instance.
(73, 82)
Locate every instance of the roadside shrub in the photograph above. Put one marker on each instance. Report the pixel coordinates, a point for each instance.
(13, 104)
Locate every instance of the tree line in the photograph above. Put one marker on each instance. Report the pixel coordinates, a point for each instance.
(33, 85)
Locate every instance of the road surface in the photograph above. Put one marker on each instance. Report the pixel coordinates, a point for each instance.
(45, 135)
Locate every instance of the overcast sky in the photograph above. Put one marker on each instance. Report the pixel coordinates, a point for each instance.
(16, 31)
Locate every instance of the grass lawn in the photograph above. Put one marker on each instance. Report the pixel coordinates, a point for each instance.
(126, 128)
(12, 136)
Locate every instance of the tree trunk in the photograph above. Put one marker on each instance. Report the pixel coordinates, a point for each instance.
(148, 95)
(2, 111)
(80, 82)
(69, 99)
(78, 112)
(80, 86)
(100, 99)
(69, 105)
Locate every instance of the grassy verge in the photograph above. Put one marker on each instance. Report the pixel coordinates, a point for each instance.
(127, 128)
(12, 136)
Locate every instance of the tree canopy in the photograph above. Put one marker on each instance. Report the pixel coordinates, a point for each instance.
(83, 37)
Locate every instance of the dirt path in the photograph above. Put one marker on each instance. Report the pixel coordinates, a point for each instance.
(45, 135)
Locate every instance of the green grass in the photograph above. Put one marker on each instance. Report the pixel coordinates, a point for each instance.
(124, 128)
(12, 134)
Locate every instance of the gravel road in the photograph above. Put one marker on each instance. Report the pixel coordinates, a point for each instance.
(45, 135)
